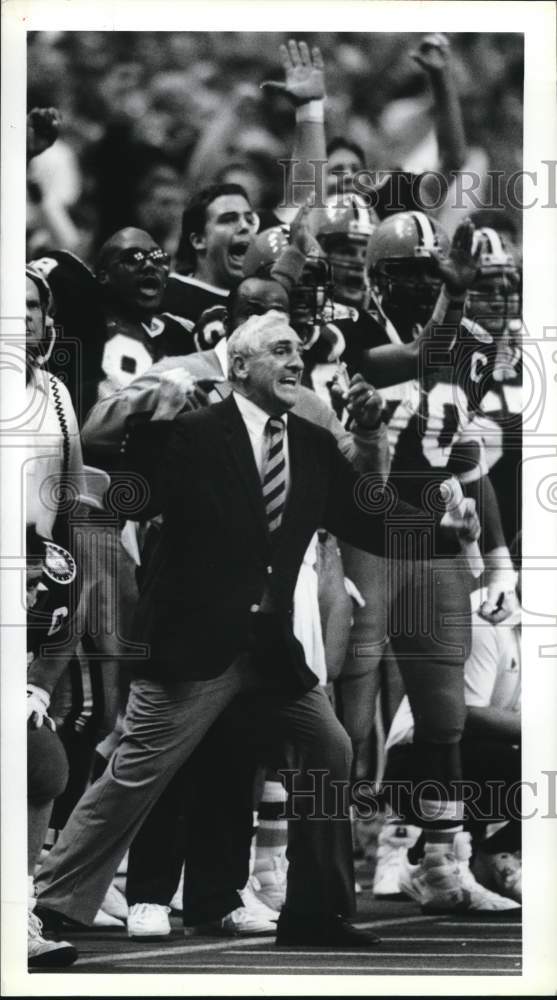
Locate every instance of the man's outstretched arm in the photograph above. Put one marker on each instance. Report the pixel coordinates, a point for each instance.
(304, 86)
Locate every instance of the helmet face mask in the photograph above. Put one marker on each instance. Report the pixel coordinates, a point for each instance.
(495, 301)
(343, 231)
(311, 300)
(402, 258)
(495, 298)
(408, 288)
(347, 257)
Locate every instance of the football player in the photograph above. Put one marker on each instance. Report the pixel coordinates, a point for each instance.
(53, 582)
(446, 366)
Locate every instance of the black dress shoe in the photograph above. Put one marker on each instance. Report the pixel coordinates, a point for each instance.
(312, 930)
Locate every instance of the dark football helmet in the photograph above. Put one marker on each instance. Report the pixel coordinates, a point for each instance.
(402, 254)
(343, 229)
(311, 299)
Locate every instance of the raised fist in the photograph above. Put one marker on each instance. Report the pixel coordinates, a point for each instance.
(433, 53)
(43, 125)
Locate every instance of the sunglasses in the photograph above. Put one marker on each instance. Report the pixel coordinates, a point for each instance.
(135, 257)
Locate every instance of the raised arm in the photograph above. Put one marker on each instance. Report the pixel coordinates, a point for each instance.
(304, 86)
(435, 58)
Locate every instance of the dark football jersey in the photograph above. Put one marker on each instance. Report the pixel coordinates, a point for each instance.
(344, 338)
(430, 420)
(500, 423)
(187, 297)
(131, 348)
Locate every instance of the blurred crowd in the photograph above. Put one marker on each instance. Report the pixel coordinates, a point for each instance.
(149, 117)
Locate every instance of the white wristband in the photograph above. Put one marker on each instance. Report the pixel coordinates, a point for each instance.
(311, 111)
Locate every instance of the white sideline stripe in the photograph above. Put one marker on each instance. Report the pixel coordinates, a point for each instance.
(477, 923)
(370, 968)
(182, 949)
(394, 921)
(374, 952)
(453, 940)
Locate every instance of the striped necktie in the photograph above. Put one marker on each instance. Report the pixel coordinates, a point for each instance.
(273, 474)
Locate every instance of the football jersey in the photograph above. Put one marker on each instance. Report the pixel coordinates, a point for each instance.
(429, 420)
(130, 348)
(345, 337)
(188, 297)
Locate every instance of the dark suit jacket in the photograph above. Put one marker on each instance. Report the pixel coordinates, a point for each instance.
(215, 555)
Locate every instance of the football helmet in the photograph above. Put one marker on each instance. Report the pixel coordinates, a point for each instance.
(495, 300)
(312, 296)
(53, 588)
(401, 259)
(343, 229)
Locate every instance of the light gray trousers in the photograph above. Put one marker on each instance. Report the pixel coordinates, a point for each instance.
(164, 723)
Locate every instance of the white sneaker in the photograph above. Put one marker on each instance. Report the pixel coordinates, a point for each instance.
(148, 920)
(43, 954)
(502, 872)
(443, 883)
(393, 842)
(103, 919)
(254, 917)
(480, 898)
(272, 883)
(114, 903)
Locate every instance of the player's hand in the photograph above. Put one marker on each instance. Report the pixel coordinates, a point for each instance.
(178, 393)
(43, 125)
(433, 53)
(460, 268)
(466, 522)
(38, 702)
(304, 73)
(364, 403)
(499, 605)
(501, 601)
(301, 236)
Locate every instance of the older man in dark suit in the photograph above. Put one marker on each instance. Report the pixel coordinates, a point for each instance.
(244, 487)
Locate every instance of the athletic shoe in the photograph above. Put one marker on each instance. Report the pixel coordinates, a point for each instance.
(269, 883)
(443, 883)
(148, 920)
(254, 917)
(103, 919)
(393, 842)
(253, 904)
(114, 903)
(481, 898)
(501, 872)
(44, 954)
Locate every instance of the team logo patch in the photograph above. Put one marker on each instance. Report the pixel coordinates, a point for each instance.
(59, 565)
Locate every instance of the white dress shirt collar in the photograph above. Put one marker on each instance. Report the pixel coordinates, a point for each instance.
(221, 351)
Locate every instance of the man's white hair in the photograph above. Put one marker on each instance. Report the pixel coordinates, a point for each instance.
(247, 337)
